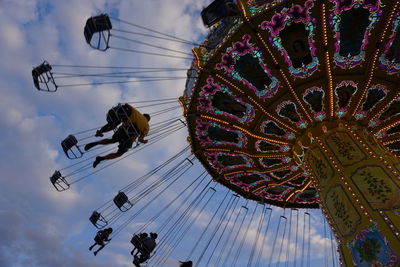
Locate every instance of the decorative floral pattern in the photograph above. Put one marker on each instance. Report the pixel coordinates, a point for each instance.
(224, 161)
(344, 148)
(256, 6)
(240, 104)
(289, 17)
(375, 94)
(288, 110)
(219, 33)
(342, 210)
(392, 66)
(306, 197)
(340, 14)
(344, 92)
(248, 180)
(250, 59)
(270, 162)
(314, 97)
(212, 133)
(275, 192)
(271, 128)
(263, 146)
(370, 248)
(322, 169)
(377, 187)
(392, 109)
(209, 91)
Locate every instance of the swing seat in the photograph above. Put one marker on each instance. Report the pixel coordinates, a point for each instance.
(122, 202)
(98, 220)
(59, 182)
(43, 78)
(218, 10)
(135, 241)
(118, 114)
(70, 147)
(128, 131)
(100, 26)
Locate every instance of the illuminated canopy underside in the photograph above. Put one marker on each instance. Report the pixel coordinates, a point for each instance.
(259, 82)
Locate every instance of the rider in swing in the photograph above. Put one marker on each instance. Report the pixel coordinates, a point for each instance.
(101, 237)
(148, 244)
(134, 124)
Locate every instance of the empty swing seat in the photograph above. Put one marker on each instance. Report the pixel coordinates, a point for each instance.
(43, 78)
(122, 202)
(71, 148)
(59, 181)
(218, 10)
(98, 220)
(100, 26)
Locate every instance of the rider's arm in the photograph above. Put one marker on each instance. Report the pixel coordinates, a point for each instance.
(141, 139)
(143, 134)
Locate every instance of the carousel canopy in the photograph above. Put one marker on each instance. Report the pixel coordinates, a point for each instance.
(261, 81)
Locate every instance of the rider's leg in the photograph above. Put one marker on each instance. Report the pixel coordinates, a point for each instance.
(101, 142)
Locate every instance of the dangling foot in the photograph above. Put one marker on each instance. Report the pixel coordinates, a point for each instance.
(98, 134)
(97, 161)
(91, 248)
(136, 262)
(95, 253)
(90, 145)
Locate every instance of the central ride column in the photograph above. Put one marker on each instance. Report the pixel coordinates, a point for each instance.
(359, 186)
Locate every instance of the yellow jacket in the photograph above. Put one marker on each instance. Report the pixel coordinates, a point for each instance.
(140, 121)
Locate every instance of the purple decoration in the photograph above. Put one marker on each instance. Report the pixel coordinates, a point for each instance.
(361, 114)
(296, 14)
(298, 199)
(278, 161)
(391, 66)
(300, 123)
(373, 7)
(206, 96)
(343, 4)
(214, 159)
(374, 122)
(318, 114)
(341, 111)
(202, 127)
(276, 24)
(210, 87)
(280, 197)
(299, 13)
(381, 134)
(370, 248)
(238, 50)
(236, 180)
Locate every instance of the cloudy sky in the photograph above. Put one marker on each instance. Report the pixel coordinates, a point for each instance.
(42, 227)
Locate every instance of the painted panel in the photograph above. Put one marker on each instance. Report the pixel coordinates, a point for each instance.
(377, 187)
(344, 148)
(342, 211)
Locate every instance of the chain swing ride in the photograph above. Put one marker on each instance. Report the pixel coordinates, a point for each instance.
(291, 104)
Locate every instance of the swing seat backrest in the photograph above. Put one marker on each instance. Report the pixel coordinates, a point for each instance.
(135, 241)
(43, 78)
(98, 25)
(70, 147)
(122, 202)
(59, 182)
(98, 220)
